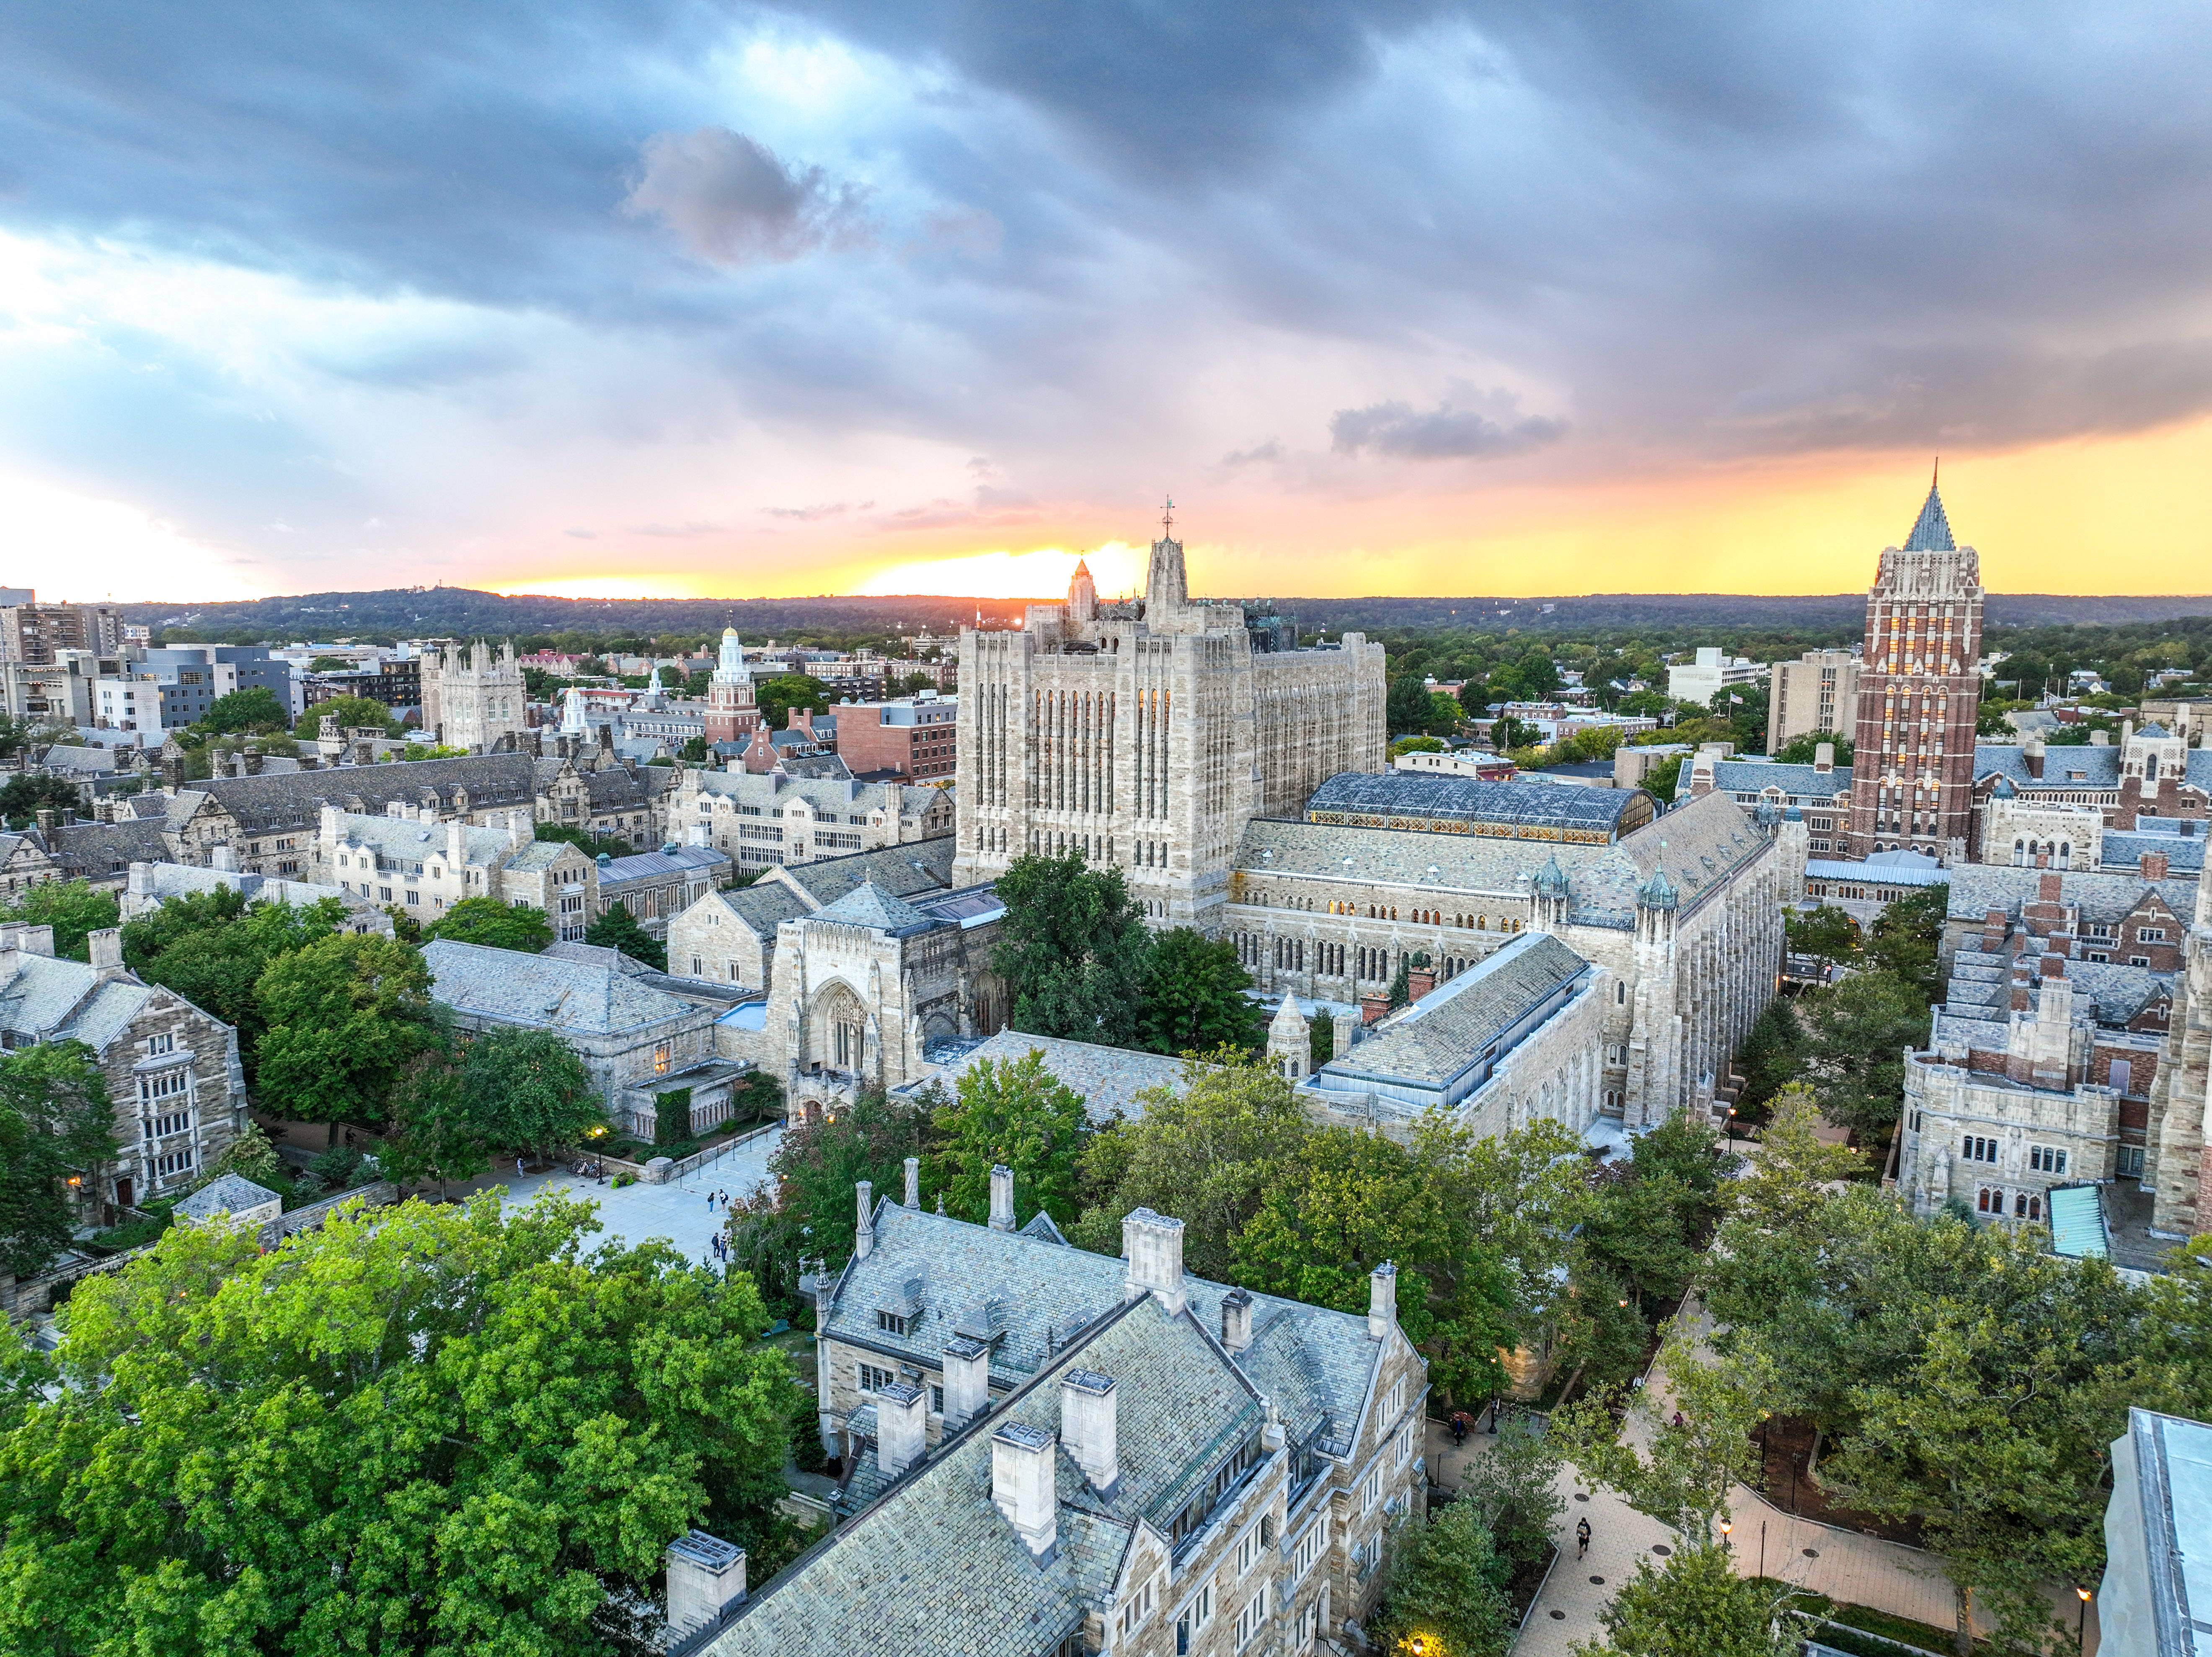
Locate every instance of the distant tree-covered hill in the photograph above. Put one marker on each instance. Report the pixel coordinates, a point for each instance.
(461, 612)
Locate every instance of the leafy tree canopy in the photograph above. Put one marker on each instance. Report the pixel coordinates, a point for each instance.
(1447, 1589)
(777, 695)
(494, 924)
(72, 908)
(1854, 1050)
(1194, 998)
(1016, 1113)
(346, 1013)
(1074, 948)
(254, 708)
(1803, 751)
(435, 1429)
(527, 1089)
(585, 839)
(1694, 1604)
(211, 948)
(352, 713)
(1826, 933)
(618, 929)
(24, 795)
(56, 1124)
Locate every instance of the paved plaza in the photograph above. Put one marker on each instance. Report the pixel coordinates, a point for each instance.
(677, 1210)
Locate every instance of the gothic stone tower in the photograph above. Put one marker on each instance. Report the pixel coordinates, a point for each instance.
(730, 715)
(2176, 1164)
(1912, 776)
(472, 698)
(1148, 735)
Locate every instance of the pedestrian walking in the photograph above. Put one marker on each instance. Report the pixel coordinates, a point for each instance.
(1678, 1417)
(1459, 1429)
(518, 1167)
(1582, 1537)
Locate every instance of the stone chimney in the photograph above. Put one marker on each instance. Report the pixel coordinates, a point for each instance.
(864, 1236)
(1381, 1301)
(606, 739)
(2154, 865)
(1420, 980)
(222, 856)
(901, 1426)
(1022, 1485)
(140, 881)
(1824, 758)
(706, 1578)
(106, 948)
(521, 827)
(2031, 754)
(2049, 890)
(967, 1381)
(1089, 1426)
(457, 836)
(1151, 1244)
(1236, 1320)
(913, 1182)
(252, 760)
(1002, 1199)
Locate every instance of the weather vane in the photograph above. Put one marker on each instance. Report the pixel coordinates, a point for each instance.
(1167, 521)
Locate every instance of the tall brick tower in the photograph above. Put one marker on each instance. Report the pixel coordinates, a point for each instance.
(1912, 773)
(731, 714)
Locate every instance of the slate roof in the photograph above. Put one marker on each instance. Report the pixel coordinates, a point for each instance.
(2099, 766)
(2123, 851)
(816, 767)
(869, 905)
(1420, 794)
(1978, 888)
(163, 881)
(1700, 841)
(1453, 1027)
(920, 866)
(1316, 1364)
(1931, 530)
(231, 1194)
(1108, 1078)
(275, 798)
(762, 907)
(99, 851)
(1980, 987)
(51, 999)
(402, 840)
(545, 992)
(931, 1567)
(1797, 781)
(655, 865)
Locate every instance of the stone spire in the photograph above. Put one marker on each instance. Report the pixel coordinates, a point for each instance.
(1167, 586)
(1931, 530)
(1290, 1040)
(1082, 594)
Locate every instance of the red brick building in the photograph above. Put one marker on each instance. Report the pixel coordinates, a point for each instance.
(730, 715)
(1912, 779)
(918, 739)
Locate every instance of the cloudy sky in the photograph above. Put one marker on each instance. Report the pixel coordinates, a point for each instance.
(652, 296)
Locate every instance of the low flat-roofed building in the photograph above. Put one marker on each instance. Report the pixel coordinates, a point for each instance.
(2156, 1597)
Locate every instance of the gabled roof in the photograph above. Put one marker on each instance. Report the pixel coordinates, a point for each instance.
(57, 1000)
(1109, 1080)
(232, 1193)
(1414, 799)
(1755, 776)
(921, 865)
(1456, 1025)
(930, 1568)
(868, 905)
(1931, 530)
(546, 992)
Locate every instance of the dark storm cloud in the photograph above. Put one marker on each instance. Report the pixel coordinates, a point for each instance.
(1690, 228)
(732, 201)
(1443, 432)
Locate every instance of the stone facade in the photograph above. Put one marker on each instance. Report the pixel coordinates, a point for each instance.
(765, 820)
(2176, 1170)
(472, 698)
(1683, 913)
(2148, 774)
(1919, 688)
(2042, 1059)
(1046, 1450)
(172, 1070)
(411, 859)
(1148, 735)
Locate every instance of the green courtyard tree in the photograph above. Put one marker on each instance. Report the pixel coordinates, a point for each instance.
(56, 1125)
(1073, 947)
(26, 794)
(71, 908)
(1406, 708)
(495, 924)
(1206, 1152)
(777, 694)
(1828, 933)
(211, 948)
(253, 710)
(1694, 1604)
(1854, 1049)
(1906, 938)
(434, 1137)
(352, 713)
(1013, 1112)
(426, 1428)
(1194, 998)
(1802, 750)
(526, 1089)
(618, 929)
(345, 1017)
(1447, 1589)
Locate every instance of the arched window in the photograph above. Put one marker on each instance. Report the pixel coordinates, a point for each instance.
(1982, 1199)
(1619, 991)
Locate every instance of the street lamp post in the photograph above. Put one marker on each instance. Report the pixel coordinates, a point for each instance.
(2081, 1627)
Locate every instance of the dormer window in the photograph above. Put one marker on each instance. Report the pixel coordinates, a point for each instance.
(892, 1324)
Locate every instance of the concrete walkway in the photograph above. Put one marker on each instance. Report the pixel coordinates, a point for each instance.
(1848, 1566)
(679, 1211)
